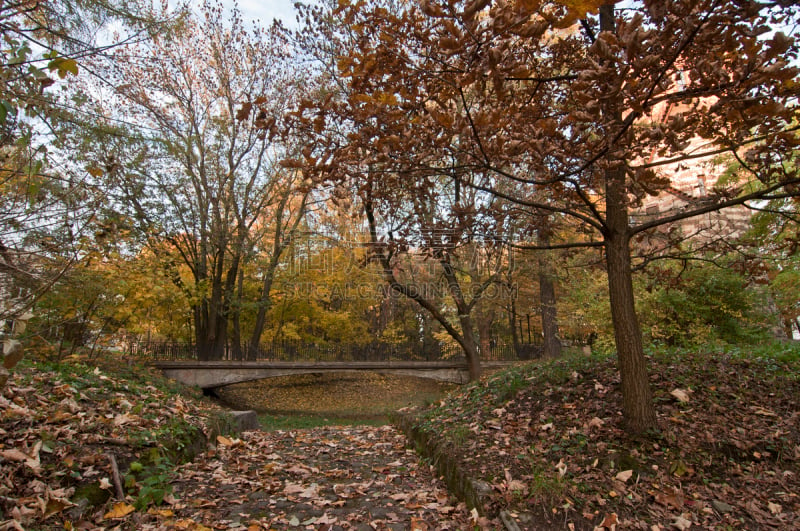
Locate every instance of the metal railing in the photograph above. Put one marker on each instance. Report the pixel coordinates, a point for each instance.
(305, 351)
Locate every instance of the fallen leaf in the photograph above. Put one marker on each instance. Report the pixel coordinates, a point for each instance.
(300, 470)
(682, 395)
(610, 522)
(31, 460)
(775, 508)
(561, 466)
(682, 523)
(310, 492)
(624, 476)
(670, 499)
(326, 519)
(596, 422)
(119, 510)
(517, 486)
(224, 441)
(121, 420)
(14, 455)
(191, 525)
(55, 506)
(271, 469)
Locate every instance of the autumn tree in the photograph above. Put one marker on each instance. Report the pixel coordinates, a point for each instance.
(453, 232)
(437, 216)
(576, 109)
(195, 164)
(47, 208)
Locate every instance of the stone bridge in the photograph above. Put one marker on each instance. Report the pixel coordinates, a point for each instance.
(212, 374)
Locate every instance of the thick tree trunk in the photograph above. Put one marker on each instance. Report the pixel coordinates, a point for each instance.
(470, 346)
(637, 398)
(211, 329)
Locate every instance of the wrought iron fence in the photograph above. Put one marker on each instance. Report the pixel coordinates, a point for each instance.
(304, 351)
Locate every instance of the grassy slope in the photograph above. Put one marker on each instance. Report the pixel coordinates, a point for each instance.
(61, 423)
(547, 437)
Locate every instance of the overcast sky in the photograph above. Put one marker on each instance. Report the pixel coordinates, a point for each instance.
(266, 10)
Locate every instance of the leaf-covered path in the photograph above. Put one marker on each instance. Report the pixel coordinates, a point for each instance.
(324, 478)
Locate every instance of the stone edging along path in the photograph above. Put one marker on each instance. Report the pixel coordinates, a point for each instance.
(476, 494)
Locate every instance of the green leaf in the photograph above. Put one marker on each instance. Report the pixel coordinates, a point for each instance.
(33, 192)
(63, 66)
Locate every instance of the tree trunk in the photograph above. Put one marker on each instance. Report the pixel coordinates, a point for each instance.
(547, 300)
(264, 304)
(485, 319)
(220, 339)
(470, 346)
(468, 343)
(512, 324)
(210, 331)
(278, 246)
(467, 336)
(637, 398)
(236, 325)
(547, 293)
(199, 313)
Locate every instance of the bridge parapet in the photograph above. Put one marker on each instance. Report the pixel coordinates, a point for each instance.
(213, 374)
(297, 351)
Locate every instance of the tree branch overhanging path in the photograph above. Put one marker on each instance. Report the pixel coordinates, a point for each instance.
(576, 112)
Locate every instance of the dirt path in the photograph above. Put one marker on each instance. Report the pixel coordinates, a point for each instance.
(331, 478)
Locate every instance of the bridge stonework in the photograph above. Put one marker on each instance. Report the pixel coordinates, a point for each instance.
(213, 374)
